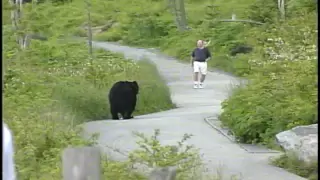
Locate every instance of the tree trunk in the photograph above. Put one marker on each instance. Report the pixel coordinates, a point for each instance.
(178, 11)
(89, 30)
(171, 6)
(183, 15)
(176, 14)
(281, 7)
(24, 41)
(16, 13)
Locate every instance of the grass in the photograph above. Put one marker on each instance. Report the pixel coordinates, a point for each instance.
(292, 163)
(52, 86)
(91, 103)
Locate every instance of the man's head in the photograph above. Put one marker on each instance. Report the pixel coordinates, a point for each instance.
(200, 44)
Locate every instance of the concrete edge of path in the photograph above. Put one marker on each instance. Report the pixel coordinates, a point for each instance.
(250, 148)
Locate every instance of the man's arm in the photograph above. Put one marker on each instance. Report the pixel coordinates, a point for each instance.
(192, 58)
(208, 54)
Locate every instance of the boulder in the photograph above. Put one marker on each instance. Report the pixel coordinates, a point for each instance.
(302, 140)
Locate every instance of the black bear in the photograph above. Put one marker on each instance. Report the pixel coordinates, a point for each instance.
(123, 99)
(240, 49)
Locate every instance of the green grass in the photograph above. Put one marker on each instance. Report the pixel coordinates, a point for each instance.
(292, 163)
(52, 86)
(91, 103)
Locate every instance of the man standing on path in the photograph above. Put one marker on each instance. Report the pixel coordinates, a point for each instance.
(199, 58)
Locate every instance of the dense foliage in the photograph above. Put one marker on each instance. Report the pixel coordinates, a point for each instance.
(54, 83)
(53, 86)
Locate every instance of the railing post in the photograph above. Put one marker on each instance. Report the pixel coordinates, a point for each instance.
(81, 163)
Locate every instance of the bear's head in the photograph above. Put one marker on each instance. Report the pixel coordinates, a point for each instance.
(135, 86)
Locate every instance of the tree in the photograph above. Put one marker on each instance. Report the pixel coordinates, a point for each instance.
(281, 7)
(178, 10)
(16, 14)
(89, 30)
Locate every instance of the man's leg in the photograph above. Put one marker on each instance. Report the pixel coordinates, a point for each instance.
(203, 74)
(203, 77)
(195, 79)
(195, 74)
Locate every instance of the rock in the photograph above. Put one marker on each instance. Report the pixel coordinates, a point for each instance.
(302, 140)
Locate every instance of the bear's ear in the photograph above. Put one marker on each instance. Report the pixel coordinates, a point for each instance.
(135, 86)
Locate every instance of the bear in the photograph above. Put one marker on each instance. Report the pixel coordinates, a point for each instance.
(240, 49)
(123, 99)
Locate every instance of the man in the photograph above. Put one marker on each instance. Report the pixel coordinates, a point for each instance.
(8, 171)
(199, 58)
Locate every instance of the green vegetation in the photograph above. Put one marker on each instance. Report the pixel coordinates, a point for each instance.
(282, 67)
(52, 86)
(292, 163)
(151, 153)
(282, 92)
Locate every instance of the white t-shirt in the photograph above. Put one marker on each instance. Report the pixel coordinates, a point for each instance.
(8, 171)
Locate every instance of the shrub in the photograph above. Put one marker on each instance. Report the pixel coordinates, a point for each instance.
(278, 100)
(282, 89)
(151, 153)
(264, 11)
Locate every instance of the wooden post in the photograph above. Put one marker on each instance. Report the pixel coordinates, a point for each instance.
(89, 29)
(233, 17)
(166, 173)
(81, 163)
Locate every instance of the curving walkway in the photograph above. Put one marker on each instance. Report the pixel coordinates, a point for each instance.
(193, 106)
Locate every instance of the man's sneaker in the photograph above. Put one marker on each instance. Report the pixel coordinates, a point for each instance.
(201, 86)
(195, 86)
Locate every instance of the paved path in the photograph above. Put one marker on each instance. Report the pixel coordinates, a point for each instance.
(193, 106)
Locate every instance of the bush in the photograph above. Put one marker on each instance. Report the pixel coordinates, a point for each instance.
(282, 89)
(151, 153)
(264, 11)
(278, 100)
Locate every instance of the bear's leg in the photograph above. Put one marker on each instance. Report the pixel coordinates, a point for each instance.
(129, 114)
(132, 107)
(114, 113)
(123, 114)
